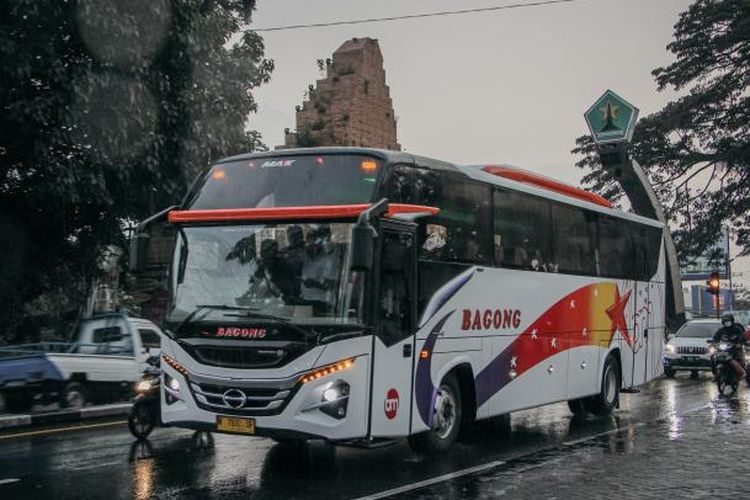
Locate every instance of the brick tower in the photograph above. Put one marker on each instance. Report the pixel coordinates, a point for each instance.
(351, 106)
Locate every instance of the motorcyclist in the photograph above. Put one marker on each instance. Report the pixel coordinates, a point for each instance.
(732, 333)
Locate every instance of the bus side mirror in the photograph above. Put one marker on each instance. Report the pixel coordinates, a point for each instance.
(139, 242)
(363, 244)
(138, 252)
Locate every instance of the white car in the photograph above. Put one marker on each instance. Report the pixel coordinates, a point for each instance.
(688, 349)
(108, 355)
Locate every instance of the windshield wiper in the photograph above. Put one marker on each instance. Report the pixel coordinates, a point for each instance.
(205, 307)
(251, 312)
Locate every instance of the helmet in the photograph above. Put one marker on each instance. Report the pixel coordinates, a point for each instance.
(727, 317)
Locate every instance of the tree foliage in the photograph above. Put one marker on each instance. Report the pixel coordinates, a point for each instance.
(108, 111)
(696, 150)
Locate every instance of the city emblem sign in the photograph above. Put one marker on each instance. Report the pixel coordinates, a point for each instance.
(611, 118)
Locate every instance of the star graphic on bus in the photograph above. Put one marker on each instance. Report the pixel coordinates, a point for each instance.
(616, 313)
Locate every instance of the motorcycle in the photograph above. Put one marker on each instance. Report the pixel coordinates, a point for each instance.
(145, 414)
(726, 376)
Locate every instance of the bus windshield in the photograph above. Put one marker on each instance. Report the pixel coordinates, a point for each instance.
(299, 272)
(289, 181)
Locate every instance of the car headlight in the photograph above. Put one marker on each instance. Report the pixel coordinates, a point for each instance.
(723, 346)
(143, 386)
(670, 348)
(711, 350)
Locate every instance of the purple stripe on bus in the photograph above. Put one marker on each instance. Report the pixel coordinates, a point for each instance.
(493, 377)
(445, 293)
(424, 387)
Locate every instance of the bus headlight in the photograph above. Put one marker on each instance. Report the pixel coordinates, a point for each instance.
(336, 400)
(171, 389)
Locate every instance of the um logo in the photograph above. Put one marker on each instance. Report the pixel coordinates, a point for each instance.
(391, 404)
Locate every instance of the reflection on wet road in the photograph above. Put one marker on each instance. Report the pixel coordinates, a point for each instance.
(663, 441)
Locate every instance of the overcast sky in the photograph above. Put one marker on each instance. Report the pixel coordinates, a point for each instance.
(508, 86)
(500, 87)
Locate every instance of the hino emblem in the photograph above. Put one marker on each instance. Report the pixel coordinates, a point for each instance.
(234, 398)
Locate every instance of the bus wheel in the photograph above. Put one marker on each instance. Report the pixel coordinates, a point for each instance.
(577, 407)
(604, 403)
(446, 420)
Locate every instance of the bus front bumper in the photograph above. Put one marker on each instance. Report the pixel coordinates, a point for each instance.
(331, 406)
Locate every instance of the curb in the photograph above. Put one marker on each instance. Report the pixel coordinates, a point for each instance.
(57, 417)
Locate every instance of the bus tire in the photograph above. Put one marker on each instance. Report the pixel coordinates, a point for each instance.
(578, 407)
(73, 396)
(446, 420)
(604, 403)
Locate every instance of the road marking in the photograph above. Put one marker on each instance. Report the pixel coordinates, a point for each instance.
(606, 433)
(497, 463)
(63, 429)
(428, 482)
(9, 481)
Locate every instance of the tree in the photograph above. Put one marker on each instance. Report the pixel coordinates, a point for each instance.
(109, 109)
(696, 151)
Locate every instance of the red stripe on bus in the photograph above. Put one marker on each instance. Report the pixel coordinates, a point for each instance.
(547, 183)
(282, 213)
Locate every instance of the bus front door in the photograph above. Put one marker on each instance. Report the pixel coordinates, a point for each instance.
(393, 345)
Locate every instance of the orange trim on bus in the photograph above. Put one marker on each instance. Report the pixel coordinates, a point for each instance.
(283, 213)
(547, 183)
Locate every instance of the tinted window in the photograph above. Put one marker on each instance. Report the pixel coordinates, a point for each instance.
(395, 301)
(616, 252)
(573, 233)
(647, 243)
(289, 181)
(409, 184)
(521, 236)
(150, 339)
(458, 232)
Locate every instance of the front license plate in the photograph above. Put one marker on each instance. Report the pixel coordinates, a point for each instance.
(236, 425)
(693, 359)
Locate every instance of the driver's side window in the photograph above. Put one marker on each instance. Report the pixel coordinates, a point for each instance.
(395, 297)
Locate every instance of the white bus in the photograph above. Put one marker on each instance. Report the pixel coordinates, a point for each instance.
(355, 295)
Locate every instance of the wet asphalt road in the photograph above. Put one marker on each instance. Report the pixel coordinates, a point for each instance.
(663, 442)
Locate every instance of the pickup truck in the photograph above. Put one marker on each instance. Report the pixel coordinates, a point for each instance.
(102, 364)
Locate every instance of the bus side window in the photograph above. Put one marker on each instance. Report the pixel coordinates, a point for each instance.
(521, 231)
(617, 257)
(574, 235)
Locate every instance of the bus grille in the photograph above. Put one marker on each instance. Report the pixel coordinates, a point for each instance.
(692, 350)
(239, 357)
(236, 400)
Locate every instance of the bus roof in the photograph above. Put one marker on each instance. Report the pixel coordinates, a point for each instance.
(385, 154)
(571, 196)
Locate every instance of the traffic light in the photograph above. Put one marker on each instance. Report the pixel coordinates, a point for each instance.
(713, 283)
